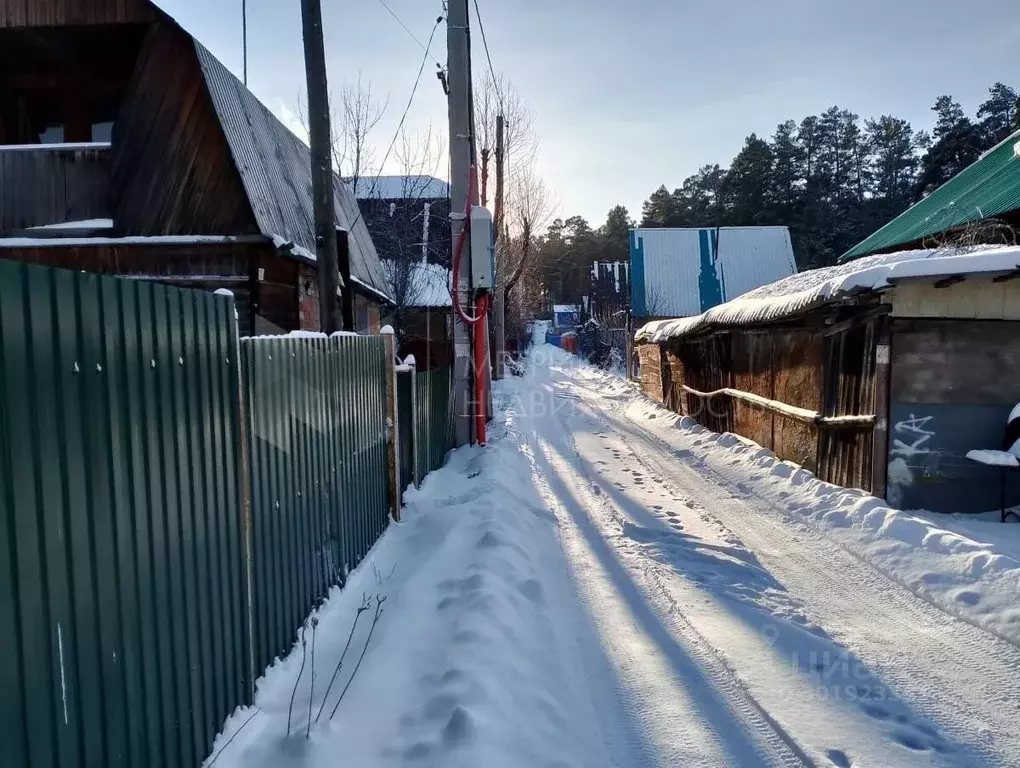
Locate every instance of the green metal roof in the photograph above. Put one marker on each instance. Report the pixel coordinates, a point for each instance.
(990, 186)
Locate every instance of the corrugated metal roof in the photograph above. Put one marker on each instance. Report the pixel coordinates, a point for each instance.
(402, 188)
(990, 186)
(684, 272)
(275, 167)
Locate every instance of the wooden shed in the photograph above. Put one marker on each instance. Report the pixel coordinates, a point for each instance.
(127, 148)
(878, 374)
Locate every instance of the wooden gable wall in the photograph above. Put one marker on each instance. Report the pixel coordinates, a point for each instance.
(54, 13)
(172, 171)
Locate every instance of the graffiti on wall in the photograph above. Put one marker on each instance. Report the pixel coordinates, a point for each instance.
(909, 453)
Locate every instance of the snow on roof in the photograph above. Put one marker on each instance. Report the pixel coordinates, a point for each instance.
(428, 284)
(418, 187)
(84, 224)
(81, 242)
(804, 291)
(62, 147)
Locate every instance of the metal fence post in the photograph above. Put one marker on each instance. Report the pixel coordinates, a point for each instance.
(244, 479)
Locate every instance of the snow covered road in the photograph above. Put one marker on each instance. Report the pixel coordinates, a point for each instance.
(803, 651)
(603, 586)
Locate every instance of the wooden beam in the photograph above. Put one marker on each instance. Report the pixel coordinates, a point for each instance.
(864, 317)
(803, 415)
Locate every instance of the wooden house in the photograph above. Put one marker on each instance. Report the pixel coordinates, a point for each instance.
(127, 148)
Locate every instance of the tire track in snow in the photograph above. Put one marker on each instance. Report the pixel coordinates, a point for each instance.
(953, 672)
(695, 709)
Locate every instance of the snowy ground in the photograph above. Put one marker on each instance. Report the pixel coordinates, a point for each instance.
(609, 585)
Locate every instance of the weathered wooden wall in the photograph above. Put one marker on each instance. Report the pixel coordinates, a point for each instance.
(752, 371)
(172, 170)
(650, 372)
(702, 364)
(68, 76)
(39, 187)
(797, 381)
(203, 266)
(51, 13)
(845, 455)
(276, 289)
(828, 372)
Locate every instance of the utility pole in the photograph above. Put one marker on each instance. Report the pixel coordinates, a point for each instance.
(461, 159)
(322, 166)
(244, 38)
(498, 305)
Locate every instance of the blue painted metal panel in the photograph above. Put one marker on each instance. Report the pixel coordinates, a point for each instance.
(928, 468)
(684, 272)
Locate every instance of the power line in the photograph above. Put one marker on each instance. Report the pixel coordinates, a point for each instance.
(403, 117)
(488, 58)
(408, 31)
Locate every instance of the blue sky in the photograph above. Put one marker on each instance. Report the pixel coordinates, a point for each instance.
(631, 95)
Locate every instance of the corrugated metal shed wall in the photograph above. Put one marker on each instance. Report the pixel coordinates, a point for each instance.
(684, 272)
(275, 166)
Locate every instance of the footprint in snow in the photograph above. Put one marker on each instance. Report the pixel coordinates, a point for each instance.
(838, 758)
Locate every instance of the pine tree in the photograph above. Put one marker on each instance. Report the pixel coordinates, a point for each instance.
(949, 117)
(997, 113)
(958, 143)
(748, 183)
(614, 235)
(787, 170)
(893, 164)
(700, 201)
(658, 210)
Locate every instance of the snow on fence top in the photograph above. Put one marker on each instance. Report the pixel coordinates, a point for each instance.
(806, 290)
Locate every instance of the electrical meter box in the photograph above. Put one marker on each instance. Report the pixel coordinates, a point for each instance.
(483, 252)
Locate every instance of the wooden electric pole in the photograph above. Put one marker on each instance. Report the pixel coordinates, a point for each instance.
(498, 305)
(461, 159)
(244, 38)
(321, 144)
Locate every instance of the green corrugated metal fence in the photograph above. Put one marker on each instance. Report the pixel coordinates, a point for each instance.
(433, 420)
(122, 591)
(173, 503)
(317, 429)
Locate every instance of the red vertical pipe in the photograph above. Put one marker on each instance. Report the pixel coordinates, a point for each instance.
(480, 334)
